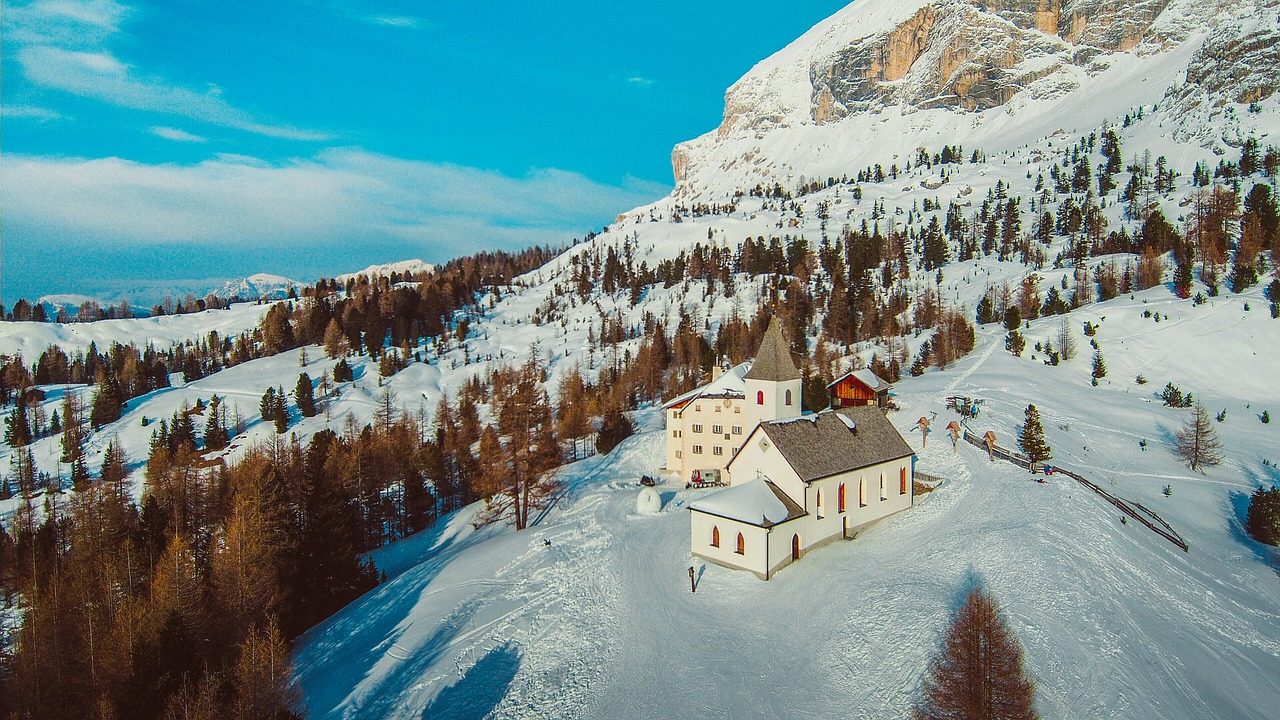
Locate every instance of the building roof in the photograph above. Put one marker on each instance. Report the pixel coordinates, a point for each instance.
(866, 377)
(836, 441)
(756, 502)
(728, 385)
(773, 360)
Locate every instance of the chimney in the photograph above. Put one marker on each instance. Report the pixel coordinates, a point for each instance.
(716, 372)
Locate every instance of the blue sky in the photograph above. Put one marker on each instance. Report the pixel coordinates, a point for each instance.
(147, 143)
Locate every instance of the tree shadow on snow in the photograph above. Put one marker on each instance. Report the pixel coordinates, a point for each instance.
(363, 633)
(970, 581)
(382, 699)
(480, 690)
(1239, 515)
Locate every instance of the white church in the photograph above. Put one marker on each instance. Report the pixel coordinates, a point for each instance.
(794, 481)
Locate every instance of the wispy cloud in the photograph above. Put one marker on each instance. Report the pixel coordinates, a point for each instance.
(641, 81)
(65, 23)
(176, 135)
(30, 112)
(399, 21)
(101, 76)
(317, 210)
(60, 47)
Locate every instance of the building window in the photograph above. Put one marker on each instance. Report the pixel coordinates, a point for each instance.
(697, 428)
(679, 454)
(840, 498)
(788, 397)
(737, 409)
(717, 450)
(717, 408)
(715, 536)
(675, 433)
(697, 449)
(902, 482)
(883, 495)
(717, 429)
(819, 503)
(862, 492)
(759, 397)
(737, 429)
(697, 408)
(742, 545)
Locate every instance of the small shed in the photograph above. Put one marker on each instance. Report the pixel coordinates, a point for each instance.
(859, 388)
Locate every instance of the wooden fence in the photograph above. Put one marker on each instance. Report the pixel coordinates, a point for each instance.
(1146, 517)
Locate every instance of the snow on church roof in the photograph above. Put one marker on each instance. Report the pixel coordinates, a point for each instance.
(730, 384)
(757, 502)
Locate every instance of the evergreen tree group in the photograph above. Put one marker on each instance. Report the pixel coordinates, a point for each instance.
(1263, 520)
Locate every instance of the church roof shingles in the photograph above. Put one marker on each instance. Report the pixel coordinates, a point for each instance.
(822, 445)
(773, 361)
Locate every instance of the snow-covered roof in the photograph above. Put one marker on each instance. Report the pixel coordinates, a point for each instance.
(730, 384)
(866, 377)
(757, 502)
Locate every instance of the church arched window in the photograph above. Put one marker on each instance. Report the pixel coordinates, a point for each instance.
(788, 397)
(742, 545)
(840, 498)
(759, 397)
(715, 536)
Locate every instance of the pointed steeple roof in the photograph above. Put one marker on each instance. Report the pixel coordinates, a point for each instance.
(773, 361)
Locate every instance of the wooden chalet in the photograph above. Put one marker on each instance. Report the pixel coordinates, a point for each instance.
(859, 388)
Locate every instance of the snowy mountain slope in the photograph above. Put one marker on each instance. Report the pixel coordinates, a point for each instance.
(1116, 621)
(899, 68)
(260, 285)
(30, 339)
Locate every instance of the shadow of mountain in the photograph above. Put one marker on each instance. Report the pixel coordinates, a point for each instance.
(480, 689)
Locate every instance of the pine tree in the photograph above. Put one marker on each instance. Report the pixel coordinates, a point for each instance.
(1263, 521)
(17, 430)
(614, 428)
(1099, 366)
(108, 400)
(335, 340)
(986, 310)
(1197, 444)
(267, 406)
(304, 396)
(978, 673)
(1031, 437)
(216, 436)
(281, 412)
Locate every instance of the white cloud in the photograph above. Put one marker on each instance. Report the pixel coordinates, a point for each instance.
(67, 23)
(61, 47)
(338, 196)
(101, 76)
(641, 81)
(400, 21)
(30, 112)
(176, 135)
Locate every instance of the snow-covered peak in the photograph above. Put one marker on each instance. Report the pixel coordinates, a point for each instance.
(411, 267)
(255, 286)
(881, 78)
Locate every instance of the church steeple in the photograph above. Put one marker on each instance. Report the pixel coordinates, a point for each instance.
(773, 361)
(773, 383)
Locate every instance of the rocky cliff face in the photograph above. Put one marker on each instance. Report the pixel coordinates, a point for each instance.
(971, 56)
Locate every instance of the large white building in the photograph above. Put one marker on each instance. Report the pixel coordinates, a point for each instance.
(706, 427)
(800, 482)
